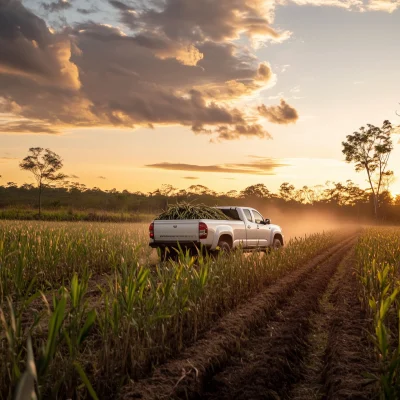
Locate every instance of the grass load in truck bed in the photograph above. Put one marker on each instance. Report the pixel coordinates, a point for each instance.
(190, 211)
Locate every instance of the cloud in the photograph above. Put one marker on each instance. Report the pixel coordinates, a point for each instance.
(101, 177)
(158, 70)
(166, 62)
(383, 5)
(225, 132)
(57, 6)
(296, 89)
(347, 4)
(27, 127)
(352, 5)
(30, 51)
(262, 166)
(282, 114)
(120, 5)
(197, 20)
(192, 178)
(86, 11)
(73, 176)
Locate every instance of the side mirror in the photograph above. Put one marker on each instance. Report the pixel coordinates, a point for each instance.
(267, 221)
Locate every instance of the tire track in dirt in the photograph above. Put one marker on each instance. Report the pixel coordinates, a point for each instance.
(186, 376)
(337, 357)
(273, 359)
(350, 355)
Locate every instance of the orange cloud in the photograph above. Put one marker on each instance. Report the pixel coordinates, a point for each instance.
(282, 114)
(262, 166)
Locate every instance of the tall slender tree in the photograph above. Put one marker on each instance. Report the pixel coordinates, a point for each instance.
(44, 164)
(370, 149)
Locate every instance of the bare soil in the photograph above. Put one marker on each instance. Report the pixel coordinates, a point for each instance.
(350, 356)
(273, 347)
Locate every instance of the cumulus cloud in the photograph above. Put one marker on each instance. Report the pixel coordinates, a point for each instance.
(168, 62)
(92, 74)
(29, 50)
(282, 114)
(200, 20)
(262, 166)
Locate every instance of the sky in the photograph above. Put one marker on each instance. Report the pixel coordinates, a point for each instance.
(133, 94)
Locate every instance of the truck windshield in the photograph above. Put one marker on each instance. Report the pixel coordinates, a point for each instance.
(231, 213)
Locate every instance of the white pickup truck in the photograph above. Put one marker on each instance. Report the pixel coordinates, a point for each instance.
(243, 227)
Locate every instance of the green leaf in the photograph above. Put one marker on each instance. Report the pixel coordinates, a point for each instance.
(86, 381)
(55, 323)
(91, 317)
(26, 386)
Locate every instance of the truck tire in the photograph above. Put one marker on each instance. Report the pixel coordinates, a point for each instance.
(224, 247)
(276, 245)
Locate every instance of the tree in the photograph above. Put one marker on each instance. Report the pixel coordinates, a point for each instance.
(287, 192)
(259, 191)
(370, 150)
(44, 164)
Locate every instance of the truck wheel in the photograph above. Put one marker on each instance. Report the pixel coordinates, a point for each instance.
(224, 247)
(276, 244)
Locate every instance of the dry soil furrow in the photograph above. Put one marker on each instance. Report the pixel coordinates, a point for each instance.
(185, 376)
(349, 356)
(272, 361)
(337, 359)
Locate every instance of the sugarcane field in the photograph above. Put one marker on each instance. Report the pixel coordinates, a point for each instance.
(104, 318)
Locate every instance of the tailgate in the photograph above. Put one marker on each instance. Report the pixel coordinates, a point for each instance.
(176, 231)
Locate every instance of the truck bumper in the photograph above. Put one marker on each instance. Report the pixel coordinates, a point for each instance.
(183, 245)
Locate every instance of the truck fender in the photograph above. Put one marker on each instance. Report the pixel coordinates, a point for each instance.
(221, 230)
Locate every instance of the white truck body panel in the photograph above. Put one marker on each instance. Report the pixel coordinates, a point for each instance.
(251, 231)
(176, 231)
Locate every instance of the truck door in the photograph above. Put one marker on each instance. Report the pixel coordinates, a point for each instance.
(263, 232)
(251, 229)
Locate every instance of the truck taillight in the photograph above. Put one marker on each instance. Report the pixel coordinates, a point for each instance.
(203, 230)
(151, 230)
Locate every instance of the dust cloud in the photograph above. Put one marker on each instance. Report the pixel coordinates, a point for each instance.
(303, 223)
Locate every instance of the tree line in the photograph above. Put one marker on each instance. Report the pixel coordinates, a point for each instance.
(369, 149)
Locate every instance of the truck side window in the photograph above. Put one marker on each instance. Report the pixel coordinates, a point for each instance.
(247, 214)
(257, 217)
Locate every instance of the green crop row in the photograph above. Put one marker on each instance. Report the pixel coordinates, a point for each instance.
(378, 265)
(85, 307)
